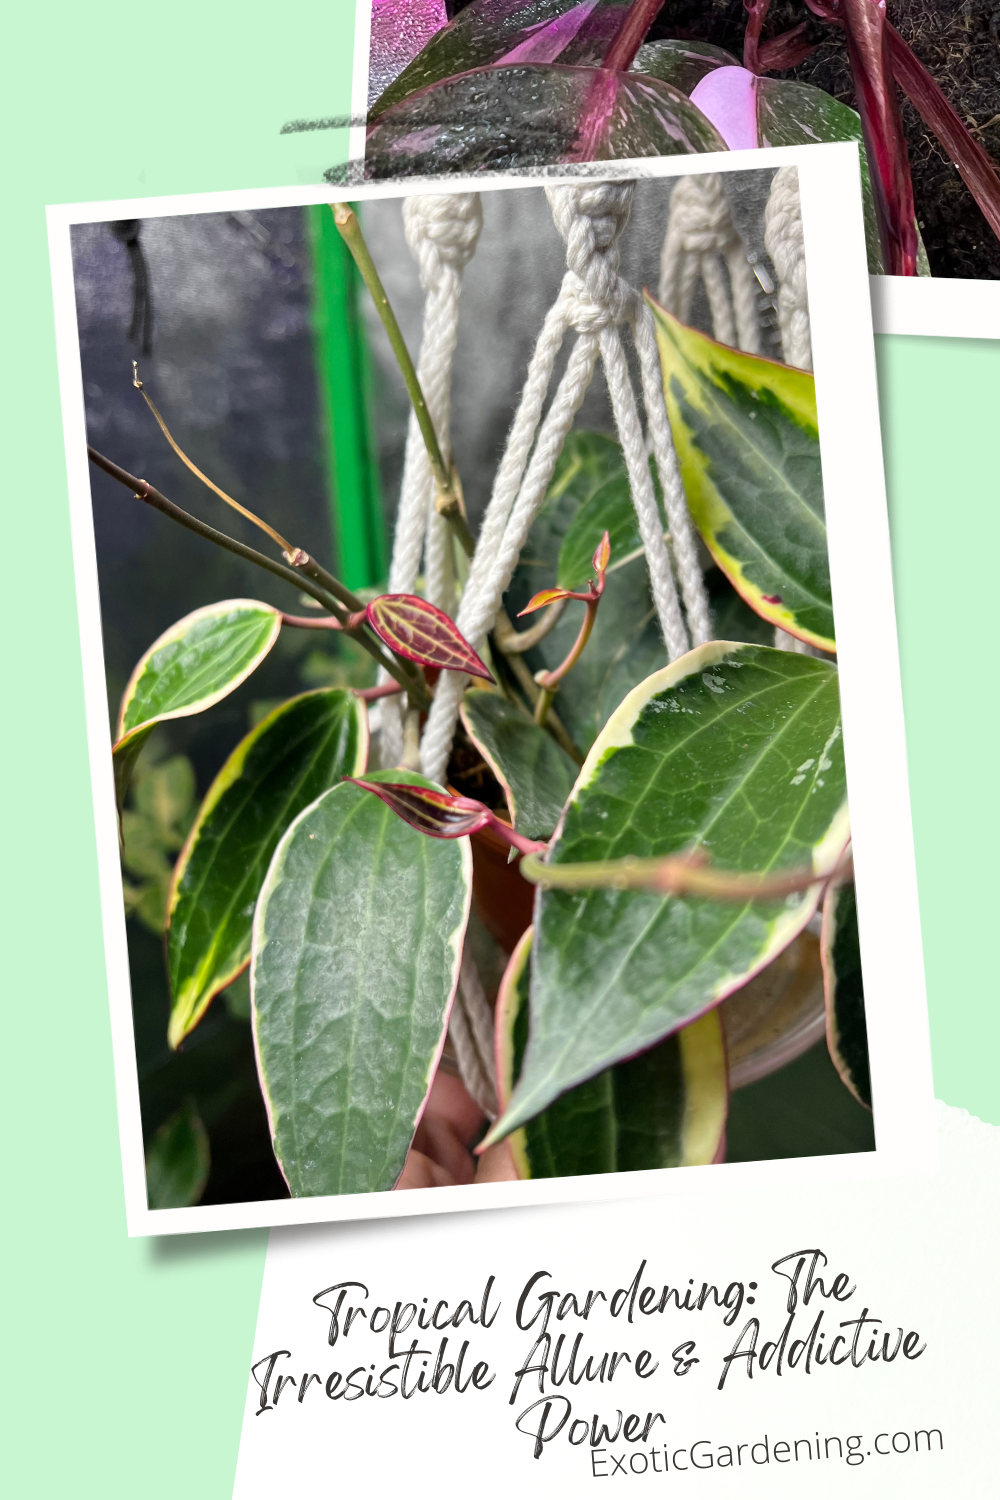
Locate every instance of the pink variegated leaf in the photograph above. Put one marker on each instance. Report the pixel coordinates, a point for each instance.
(421, 632)
(437, 814)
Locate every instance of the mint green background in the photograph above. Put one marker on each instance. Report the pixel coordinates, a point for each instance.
(125, 1362)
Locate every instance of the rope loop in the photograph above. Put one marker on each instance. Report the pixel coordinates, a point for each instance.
(442, 230)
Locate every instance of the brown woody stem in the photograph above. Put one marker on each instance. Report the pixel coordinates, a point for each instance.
(675, 875)
(146, 492)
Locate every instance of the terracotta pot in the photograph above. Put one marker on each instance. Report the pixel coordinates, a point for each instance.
(503, 899)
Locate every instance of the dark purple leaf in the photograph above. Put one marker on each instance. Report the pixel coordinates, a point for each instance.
(437, 814)
(421, 632)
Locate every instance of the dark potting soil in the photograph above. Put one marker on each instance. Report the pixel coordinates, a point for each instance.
(958, 43)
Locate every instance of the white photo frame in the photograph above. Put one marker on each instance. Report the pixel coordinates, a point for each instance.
(870, 688)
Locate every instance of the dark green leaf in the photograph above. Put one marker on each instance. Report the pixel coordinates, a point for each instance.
(733, 749)
(609, 509)
(664, 1108)
(357, 943)
(535, 773)
(802, 1110)
(681, 63)
(295, 754)
(194, 664)
(846, 1032)
(178, 1160)
(747, 442)
(517, 116)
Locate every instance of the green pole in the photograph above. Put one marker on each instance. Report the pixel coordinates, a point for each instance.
(343, 369)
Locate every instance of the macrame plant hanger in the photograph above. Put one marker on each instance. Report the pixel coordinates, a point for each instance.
(596, 305)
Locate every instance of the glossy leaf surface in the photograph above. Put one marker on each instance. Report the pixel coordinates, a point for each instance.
(493, 31)
(357, 943)
(846, 1032)
(519, 115)
(178, 1160)
(193, 665)
(300, 750)
(536, 774)
(664, 1108)
(681, 63)
(747, 442)
(421, 632)
(400, 30)
(736, 750)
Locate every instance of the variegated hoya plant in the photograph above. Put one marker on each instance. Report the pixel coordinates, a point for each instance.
(684, 825)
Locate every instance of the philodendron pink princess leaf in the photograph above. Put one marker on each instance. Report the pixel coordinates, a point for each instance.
(421, 632)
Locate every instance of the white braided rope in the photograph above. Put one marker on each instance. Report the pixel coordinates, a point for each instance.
(593, 301)
(470, 1029)
(784, 244)
(702, 240)
(441, 232)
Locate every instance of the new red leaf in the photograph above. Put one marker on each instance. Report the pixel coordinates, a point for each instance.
(421, 632)
(602, 556)
(435, 813)
(547, 596)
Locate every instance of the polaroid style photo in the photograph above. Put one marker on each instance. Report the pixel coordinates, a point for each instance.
(497, 85)
(492, 690)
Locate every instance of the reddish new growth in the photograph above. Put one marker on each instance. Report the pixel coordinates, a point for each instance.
(442, 816)
(549, 681)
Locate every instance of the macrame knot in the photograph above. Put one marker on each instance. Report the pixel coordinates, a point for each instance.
(590, 217)
(441, 232)
(784, 244)
(700, 216)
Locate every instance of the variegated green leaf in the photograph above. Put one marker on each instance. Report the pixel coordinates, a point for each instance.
(356, 949)
(846, 1031)
(664, 1108)
(300, 750)
(194, 664)
(747, 441)
(535, 773)
(732, 749)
